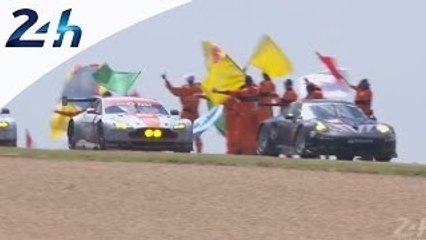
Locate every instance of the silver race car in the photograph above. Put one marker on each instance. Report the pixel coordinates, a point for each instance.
(128, 123)
(8, 130)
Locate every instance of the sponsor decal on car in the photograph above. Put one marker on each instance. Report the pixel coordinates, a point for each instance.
(352, 141)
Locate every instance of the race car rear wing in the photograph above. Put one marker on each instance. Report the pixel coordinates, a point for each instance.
(72, 113)
(66, 100)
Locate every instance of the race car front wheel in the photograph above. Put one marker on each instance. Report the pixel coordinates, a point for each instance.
(14, 143)
(300, 146)
(264, 145)
(183, 148)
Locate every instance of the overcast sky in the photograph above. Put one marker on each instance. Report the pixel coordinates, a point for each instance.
(380, 40)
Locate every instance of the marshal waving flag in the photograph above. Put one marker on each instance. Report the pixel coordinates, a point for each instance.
(117, 82)
(270, 59)
(223, 75)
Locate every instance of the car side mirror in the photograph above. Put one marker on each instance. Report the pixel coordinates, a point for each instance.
(5, 111)
(64, 101)
(174, 112)
(289, 116)
(91, 111)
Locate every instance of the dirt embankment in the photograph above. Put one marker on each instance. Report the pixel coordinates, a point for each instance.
(93, 200)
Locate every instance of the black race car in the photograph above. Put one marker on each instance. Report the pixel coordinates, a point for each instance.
(311, 128)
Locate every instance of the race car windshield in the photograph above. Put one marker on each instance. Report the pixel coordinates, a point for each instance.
(151, 109)
(331, 111)
(136, 108)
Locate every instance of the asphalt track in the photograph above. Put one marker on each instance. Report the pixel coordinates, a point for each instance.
(45, 199)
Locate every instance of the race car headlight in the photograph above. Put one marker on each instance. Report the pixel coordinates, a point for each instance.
(4, 124)
(149, 133)
(321, 127)
(158, 133)
(383, 128)
(121, 126)
(179, 126)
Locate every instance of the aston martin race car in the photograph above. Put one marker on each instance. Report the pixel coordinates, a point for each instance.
(8, 130)
(312, 128)
(128, 123)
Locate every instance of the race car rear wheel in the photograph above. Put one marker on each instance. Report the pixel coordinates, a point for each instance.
(71, 137)
(264, 145)
(345, 157)
(100, 137)
(382, 159)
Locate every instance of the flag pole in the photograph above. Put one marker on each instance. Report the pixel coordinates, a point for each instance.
(233, 62)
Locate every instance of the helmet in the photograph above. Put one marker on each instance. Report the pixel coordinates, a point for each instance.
(190, 78)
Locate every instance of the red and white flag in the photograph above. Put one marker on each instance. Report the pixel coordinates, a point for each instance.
(330, 88)
(331, 65)
(333, 81)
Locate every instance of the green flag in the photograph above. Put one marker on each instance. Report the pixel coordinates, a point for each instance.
(220, 123)
(118, 82)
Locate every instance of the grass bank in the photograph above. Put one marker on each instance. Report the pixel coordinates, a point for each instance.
(219, 160)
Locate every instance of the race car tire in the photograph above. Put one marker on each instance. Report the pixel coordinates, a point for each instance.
(366, 158)
(264, 145)
(383, 159)
(100, 137)
(11, 143)
(345, 157)
(71, 137)
(300, 147)
(184, 149)
(14, 143)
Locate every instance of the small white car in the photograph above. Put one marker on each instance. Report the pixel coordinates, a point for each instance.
(8, 129)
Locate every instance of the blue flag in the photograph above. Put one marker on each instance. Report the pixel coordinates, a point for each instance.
(207, 120)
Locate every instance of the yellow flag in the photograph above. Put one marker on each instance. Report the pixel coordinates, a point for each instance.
(212, 53)
(59, 122)
(223, 75)
(269, 58)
